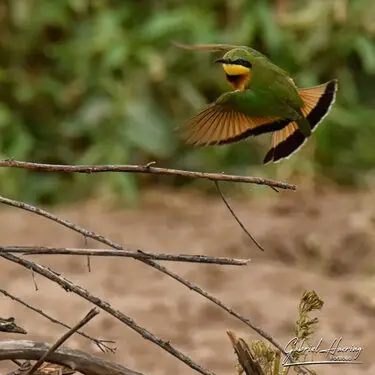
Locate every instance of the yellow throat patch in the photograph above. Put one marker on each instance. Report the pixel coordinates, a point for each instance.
(235, 70)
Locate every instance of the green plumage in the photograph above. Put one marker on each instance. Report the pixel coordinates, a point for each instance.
(271, 91)
(265, 99)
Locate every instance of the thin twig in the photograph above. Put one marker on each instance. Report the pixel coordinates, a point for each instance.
(219, 303)
(69, 286)
(90, 315)
(236, 217)
(88, 263)
(88, 257)
(148, 165)
(106, 241)
(142, 169)
(101, 344)
(34, 281)
(18, 363)
(138, 254)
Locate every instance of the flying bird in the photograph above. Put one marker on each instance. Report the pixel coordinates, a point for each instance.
(264, 99)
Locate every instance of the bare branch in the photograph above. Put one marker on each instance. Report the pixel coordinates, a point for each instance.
(236, 217)
(137, 254)
(34, 281)
(106, 241)
(101, 344)
(9, 325)
(88, 259)
(18, 363)
(90, 315)
(142, 169)
(71, 287)
(82, 362)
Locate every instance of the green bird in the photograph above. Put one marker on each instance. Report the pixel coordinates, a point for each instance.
(265, 99)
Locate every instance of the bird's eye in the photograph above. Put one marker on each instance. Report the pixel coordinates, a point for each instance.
(243, 62)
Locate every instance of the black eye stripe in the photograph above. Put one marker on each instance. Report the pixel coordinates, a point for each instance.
(242, 62)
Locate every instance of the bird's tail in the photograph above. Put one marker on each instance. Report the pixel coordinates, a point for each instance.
(318, 101)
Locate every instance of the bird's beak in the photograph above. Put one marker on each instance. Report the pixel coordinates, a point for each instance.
(222, 61)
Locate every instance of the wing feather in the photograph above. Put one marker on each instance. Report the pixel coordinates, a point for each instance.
(285, 142)
(205, 127)
(217, 124)
(221, 128)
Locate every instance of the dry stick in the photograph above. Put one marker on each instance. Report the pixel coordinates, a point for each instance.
(18, 363)
(69, 286)
(236, 217)
(82, 362)
(91, 314)
(152, 170)
(88, 258)
(217, 302)
(88, 263)
(274, 189)
(151, 263)
(143, 169)
(138, 254)
(101, 344)
(34, 281)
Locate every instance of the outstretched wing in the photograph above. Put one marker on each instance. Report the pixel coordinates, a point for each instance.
(220, 123)
(206, 47)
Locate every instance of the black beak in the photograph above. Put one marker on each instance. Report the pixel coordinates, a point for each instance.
(222, 61)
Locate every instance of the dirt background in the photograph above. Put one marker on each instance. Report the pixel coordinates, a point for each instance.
(323, 241)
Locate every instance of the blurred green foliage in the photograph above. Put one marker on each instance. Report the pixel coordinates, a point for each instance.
(97, 81)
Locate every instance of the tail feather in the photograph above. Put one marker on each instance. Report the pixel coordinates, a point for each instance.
(318, 101)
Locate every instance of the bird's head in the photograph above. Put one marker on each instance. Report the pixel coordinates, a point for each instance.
(237, 66)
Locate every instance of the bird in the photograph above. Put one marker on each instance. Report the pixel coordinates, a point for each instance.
(264, 99)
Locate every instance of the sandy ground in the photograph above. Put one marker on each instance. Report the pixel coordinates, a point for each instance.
(324, 242)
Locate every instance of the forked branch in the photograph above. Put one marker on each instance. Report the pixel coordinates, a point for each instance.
(106, 241)
(83, 293)
(91, 314)
(103, 345)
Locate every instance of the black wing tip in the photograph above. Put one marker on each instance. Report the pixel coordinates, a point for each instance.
(261, 129)
(324, 104)
(286, 148)
(334, 82)
(237, 138)
(293, 143)
(332, 87)
(264, 128)
(269, 156)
